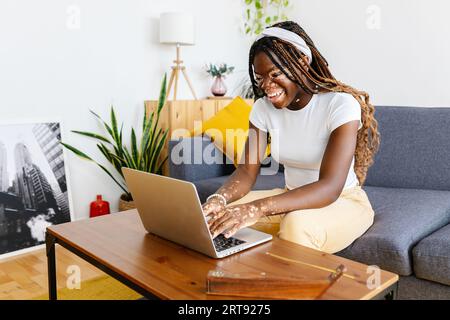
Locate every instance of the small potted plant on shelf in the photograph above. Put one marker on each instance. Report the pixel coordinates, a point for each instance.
(144, 155)
(218, 72)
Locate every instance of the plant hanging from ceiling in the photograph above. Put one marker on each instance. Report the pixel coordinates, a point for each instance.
(259, 14)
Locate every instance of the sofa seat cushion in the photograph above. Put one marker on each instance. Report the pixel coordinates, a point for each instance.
(403, 217)
(431, 257)
(207, 187)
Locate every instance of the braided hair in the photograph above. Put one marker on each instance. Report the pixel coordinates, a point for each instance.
(286, 58)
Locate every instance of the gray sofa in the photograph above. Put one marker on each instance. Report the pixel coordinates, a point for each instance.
(408, 186)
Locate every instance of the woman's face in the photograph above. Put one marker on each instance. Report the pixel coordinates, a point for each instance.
(275, 84)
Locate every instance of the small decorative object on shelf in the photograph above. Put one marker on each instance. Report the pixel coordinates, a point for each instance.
(99, 207)
(218, 88)
(218, 72)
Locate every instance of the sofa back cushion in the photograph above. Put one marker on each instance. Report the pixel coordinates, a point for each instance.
(414, 150)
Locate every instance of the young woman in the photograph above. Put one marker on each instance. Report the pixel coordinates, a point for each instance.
(321, 130)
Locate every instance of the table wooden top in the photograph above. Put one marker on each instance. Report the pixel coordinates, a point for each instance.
(170, 271)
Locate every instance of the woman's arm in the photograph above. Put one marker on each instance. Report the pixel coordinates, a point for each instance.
(244, 177)
(334, 169)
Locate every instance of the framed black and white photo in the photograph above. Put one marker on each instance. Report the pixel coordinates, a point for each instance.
(33, 184)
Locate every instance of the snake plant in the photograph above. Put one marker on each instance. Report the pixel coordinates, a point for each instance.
(143, 156)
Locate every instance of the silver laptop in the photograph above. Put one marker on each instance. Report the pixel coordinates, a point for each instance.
(171, 209)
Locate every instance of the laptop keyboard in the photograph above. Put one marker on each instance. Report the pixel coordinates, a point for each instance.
(221, 243)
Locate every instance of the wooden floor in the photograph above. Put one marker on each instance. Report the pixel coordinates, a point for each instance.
(25, 277)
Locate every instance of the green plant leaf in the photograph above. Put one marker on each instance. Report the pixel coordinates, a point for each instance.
(116, 162)
(86, 157)
(120, 134)
(146, 146)
(146, 134)
(161, 103)
(258, 4)
(154, 136)
(130, 162)
(156, 132)
(118, 145)
(134, 150)
(157, 152)
(79, 153)
(92, 135)
(114, 126)
(259, 28)
(107, 127)
(106, 153)
(144, 120)
(162, 94)
(159, 169)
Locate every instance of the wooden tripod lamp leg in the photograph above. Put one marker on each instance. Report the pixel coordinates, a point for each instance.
(176, 74)
(172, 76)
(183, 69)
(177, 70)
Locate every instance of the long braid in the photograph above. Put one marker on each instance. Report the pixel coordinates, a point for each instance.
(318, 73)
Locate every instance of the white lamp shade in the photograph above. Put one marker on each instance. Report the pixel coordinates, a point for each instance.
(176, 28)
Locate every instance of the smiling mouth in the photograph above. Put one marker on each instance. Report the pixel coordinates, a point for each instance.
(275, 96)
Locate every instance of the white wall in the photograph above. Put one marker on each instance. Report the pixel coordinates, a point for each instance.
(404, 62)
(50, 69)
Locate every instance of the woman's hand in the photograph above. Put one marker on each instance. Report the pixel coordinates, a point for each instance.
(234, 218)
(212, 207)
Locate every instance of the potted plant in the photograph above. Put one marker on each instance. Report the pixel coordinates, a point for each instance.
(218, 72)
(144, 155)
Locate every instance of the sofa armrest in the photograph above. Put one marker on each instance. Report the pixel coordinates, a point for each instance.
(196, 158)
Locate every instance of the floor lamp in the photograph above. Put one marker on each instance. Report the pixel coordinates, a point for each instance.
(177, 28)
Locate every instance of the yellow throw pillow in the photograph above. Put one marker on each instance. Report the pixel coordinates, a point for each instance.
(228, 129)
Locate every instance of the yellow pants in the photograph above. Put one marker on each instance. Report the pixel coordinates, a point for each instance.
(329, 229)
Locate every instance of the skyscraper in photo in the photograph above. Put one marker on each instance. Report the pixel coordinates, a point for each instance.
(4, 179)
(22, 159)
(63, 203)
(48, 136)
(42, 193)
(22, 156)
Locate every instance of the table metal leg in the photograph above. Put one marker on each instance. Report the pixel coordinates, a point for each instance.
(389, 293)
(392, 295)
(51, 265)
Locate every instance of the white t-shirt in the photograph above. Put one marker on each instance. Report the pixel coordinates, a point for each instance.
(299, 138)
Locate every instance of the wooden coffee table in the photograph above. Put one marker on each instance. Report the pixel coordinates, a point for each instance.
(156, 268)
